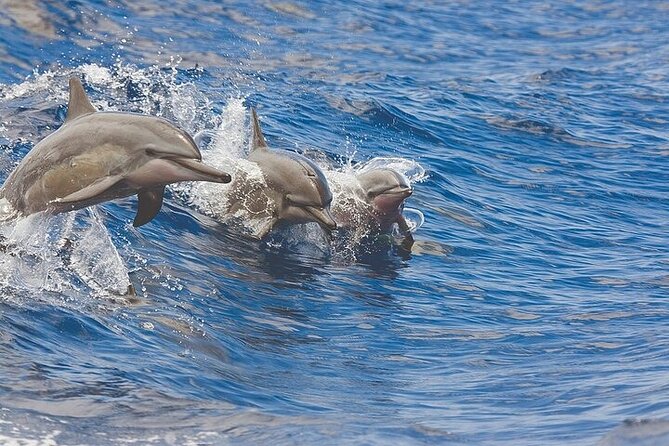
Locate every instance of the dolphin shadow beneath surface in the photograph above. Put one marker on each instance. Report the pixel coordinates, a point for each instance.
(295, 254)
(280, 255)
(633, 432)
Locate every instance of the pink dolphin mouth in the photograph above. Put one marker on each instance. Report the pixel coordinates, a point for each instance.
(392, 200)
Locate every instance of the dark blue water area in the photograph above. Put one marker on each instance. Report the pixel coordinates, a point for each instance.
(532, 305)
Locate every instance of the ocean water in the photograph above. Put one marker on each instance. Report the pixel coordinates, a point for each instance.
(530, 310)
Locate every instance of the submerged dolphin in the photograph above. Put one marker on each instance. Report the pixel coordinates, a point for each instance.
(296, 188)
(100, 156)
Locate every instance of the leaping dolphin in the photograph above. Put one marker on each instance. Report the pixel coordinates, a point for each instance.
(100, 156)
(296, 188)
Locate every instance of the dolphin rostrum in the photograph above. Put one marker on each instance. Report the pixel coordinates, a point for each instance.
(296, 190)
(100, 156)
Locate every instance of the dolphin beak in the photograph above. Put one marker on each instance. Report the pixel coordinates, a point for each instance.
(201, 171)
(322, 217)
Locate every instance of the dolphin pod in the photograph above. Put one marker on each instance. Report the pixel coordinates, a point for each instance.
(96, 157)
(100, 156)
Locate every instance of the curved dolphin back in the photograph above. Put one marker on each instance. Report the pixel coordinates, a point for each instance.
(79, 104)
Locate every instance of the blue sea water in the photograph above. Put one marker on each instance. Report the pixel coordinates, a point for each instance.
(529, 311)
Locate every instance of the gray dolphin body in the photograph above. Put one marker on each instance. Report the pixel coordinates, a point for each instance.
(296, 187)
(100, 156)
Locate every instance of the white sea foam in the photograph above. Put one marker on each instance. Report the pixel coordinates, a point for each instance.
(37, 82)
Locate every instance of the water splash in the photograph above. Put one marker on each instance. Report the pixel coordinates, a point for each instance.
(411, 169)
(59, 253)
(354, 212)
(227, 151)
(414, 218)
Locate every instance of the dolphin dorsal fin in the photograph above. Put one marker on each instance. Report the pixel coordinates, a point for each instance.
(258, 138)
(78, 104)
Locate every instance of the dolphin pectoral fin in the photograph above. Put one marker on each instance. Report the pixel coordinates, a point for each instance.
(258, 138)
(149, 202)
(92, 190)
(78, 104)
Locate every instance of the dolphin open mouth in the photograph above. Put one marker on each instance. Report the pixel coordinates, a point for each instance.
(391, 200)
(322, 217)
(202, 171)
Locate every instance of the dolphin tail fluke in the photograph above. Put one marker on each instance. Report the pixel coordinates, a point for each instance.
(79, 104)
(258, 138)
(149, 202)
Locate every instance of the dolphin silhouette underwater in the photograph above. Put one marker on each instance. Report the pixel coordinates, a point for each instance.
(295, 191)
(96, 157)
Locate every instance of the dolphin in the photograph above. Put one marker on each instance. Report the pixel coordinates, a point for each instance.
(296, 189)
(385, 190)
(100, 156)
(380, 195)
